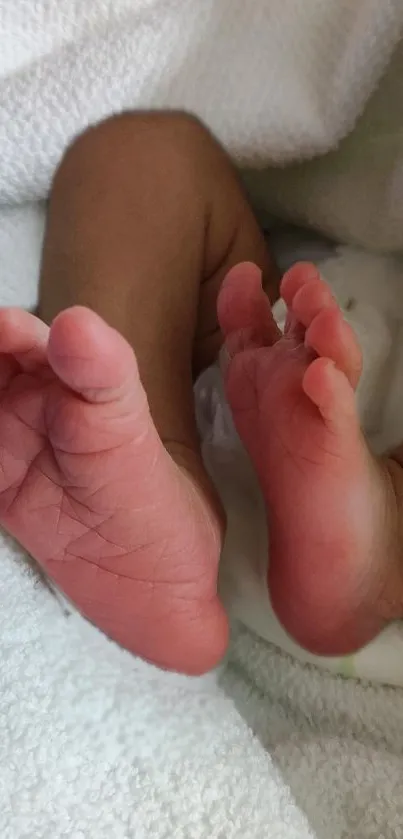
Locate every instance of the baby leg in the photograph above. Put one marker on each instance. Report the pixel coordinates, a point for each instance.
(146, 216)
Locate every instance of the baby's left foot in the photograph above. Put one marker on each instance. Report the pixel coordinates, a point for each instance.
(87, 487)
(336, 549)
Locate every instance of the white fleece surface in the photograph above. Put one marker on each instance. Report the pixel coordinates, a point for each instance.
(92, 742)
(96, 744)
(277, 81)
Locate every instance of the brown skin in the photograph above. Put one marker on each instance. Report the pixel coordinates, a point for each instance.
(146, 216)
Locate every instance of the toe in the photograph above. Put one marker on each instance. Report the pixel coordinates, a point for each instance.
(313, 297)
(295, 279)
(244, 311)
(91, 358)
(299, 288)
(24, 337)
(330, 336)
(329, 389)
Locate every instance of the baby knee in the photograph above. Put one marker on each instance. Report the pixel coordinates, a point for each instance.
(115, 149)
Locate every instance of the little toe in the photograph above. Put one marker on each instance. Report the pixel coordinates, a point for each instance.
(330, 336)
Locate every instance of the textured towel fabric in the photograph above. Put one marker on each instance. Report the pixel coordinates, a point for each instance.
(277, 81)
(92, 742)
(355, 193)
(95, 744)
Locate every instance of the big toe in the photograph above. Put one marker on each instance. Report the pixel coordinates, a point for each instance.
(90, 357)
(244, 310)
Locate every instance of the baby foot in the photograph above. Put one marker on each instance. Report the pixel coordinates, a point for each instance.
(335, 563)
(87, 487)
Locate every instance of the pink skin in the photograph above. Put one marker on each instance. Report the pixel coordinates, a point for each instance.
(331, 506)
(88, 489)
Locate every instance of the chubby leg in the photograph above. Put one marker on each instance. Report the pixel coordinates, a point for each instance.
(335, 512)
(101, 477)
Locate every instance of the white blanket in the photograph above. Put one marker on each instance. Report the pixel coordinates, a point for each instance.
(93, 742)
(277, 81)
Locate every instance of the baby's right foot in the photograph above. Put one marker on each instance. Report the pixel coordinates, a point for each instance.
(334, 510)
(87, 487)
